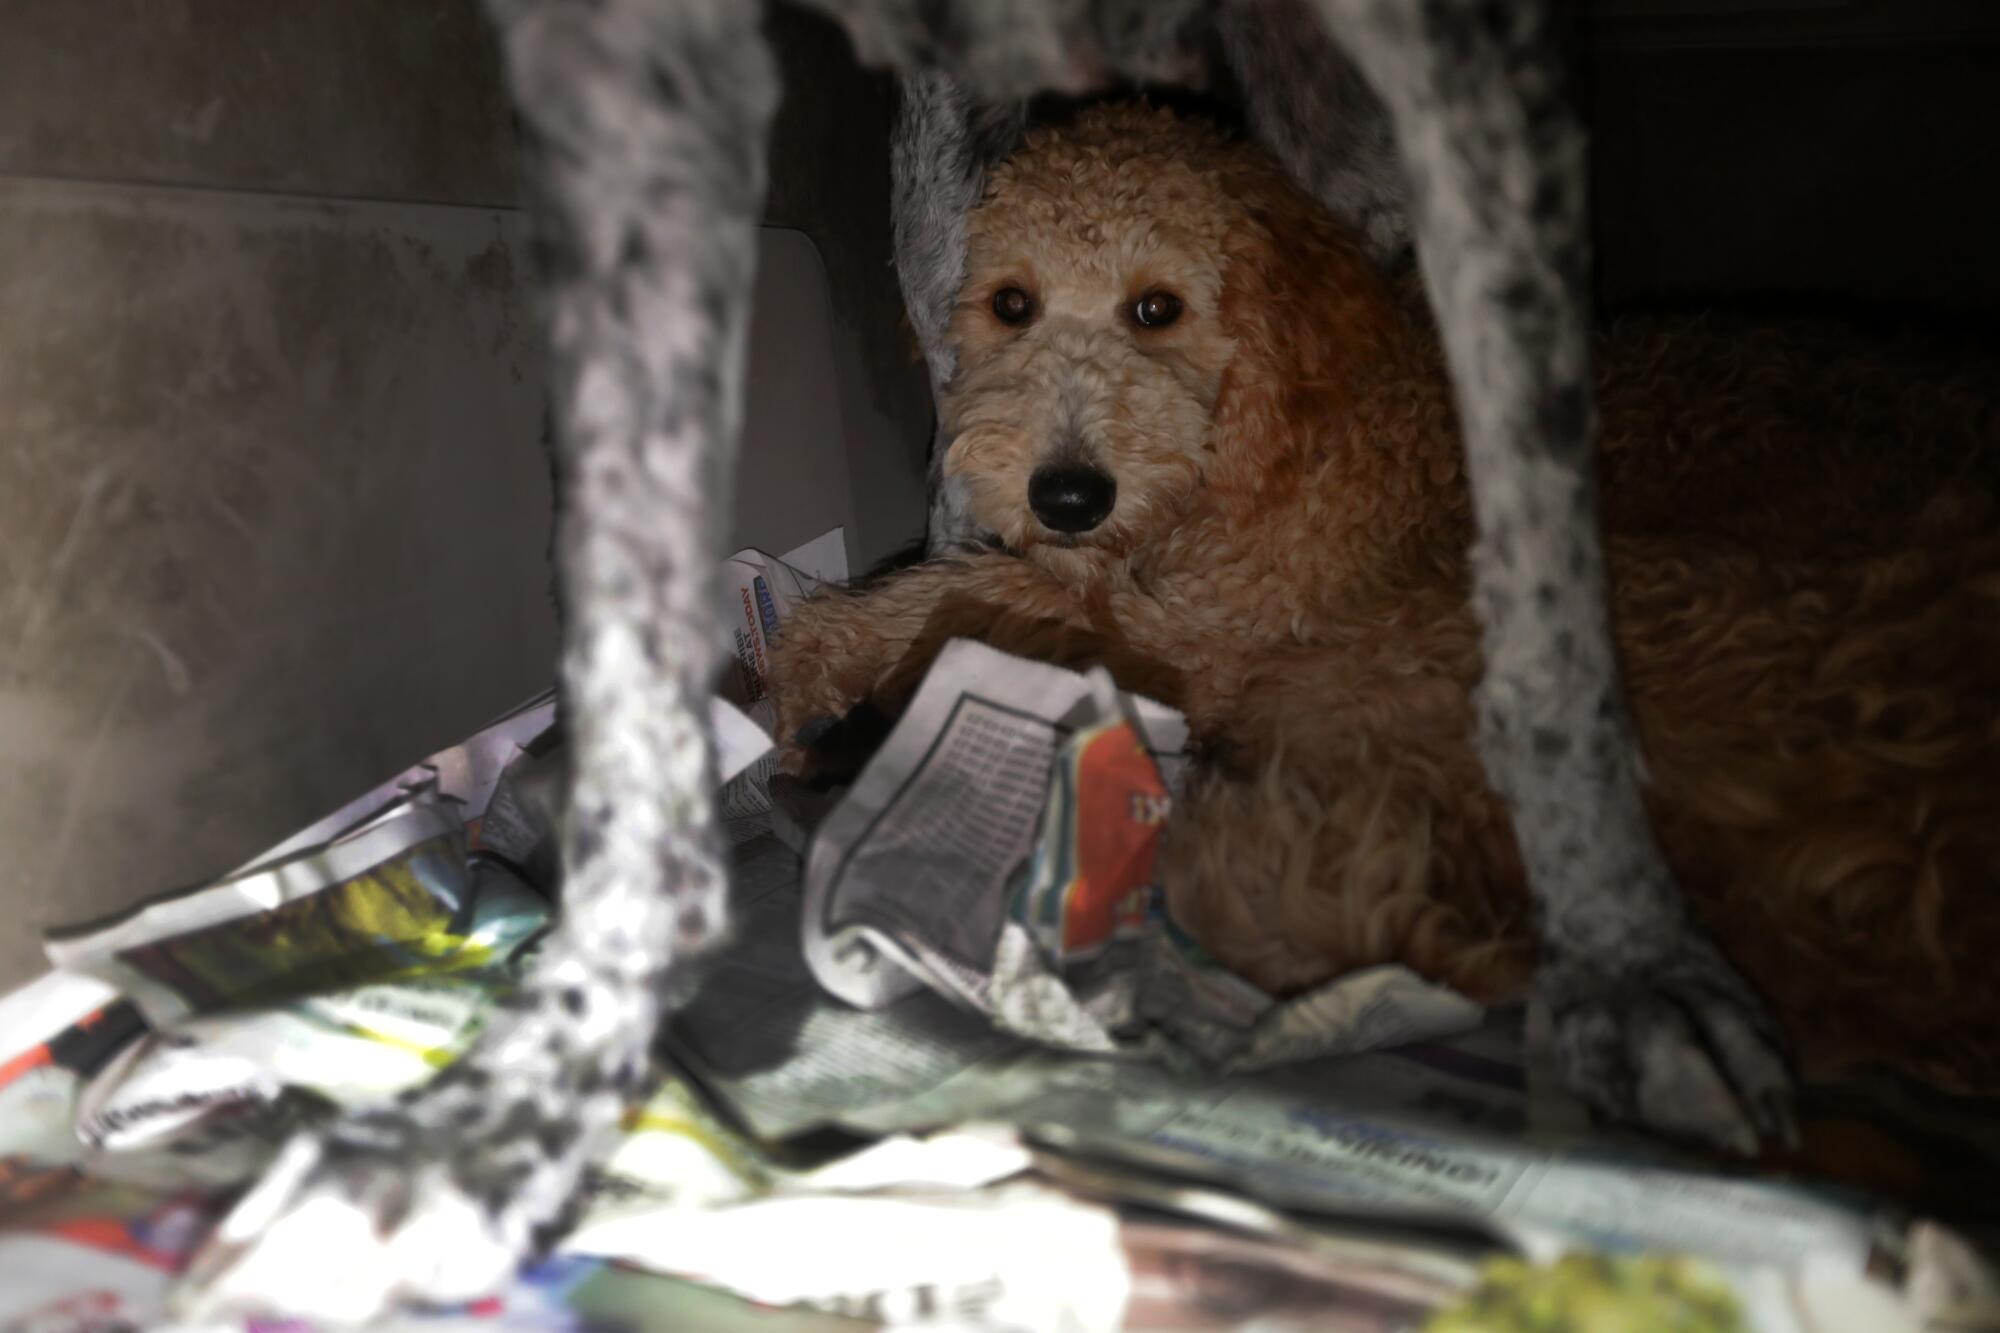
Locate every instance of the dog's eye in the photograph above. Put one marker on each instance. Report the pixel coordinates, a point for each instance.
(1013, 306)
(1156, 310)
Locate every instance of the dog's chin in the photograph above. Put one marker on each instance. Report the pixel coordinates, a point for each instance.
(1073, 557)
(1068, 554)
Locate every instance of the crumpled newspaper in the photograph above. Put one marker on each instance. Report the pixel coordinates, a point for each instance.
(1000, 848)
(346, 964)
(932, 1160)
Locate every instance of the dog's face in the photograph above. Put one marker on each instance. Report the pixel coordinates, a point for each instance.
(1150, 310)
(1091, 340)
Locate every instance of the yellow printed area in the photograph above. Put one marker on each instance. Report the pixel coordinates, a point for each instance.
(437, 1057)
(386, 924)
(674, 1112)
(1597, 1293)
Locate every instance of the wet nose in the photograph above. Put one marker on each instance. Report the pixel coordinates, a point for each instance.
(1071, 497)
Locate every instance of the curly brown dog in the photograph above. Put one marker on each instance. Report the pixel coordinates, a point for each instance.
(1219, 448)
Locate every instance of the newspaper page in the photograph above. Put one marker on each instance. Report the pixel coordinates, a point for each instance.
(393, 860)
(947, 1230)
(999, 848)
(397, 897)
(1432, 1137)
(786, 1056)
(919, 852)
(464, 774)
(758, 593)
(932, 881)
(1319, 1170)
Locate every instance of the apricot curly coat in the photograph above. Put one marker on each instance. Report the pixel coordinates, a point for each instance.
(1802, 533)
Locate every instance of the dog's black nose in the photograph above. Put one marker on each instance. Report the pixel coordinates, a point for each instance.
(1071, 497)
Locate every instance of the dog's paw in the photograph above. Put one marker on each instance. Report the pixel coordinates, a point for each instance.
(340, 1237)
(1681, 1046)
(823, 663)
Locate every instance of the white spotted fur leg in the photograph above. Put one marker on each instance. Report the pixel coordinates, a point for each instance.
(1651, 1023)
(645, 121)
(1681, 1046)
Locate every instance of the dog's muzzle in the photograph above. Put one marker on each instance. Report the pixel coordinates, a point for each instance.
(1071, 497)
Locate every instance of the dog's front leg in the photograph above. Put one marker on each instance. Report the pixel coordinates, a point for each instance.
(842, 649)
(646, 122)
(1651, 1023)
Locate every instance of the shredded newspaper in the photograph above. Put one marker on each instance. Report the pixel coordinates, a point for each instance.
(958, 1069)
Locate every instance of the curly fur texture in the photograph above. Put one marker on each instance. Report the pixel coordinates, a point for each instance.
(1805, 554)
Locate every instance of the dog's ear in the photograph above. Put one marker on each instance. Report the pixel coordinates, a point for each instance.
(1310, 315)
